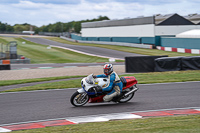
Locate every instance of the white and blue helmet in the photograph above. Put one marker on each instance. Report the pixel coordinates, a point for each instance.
(107, 69)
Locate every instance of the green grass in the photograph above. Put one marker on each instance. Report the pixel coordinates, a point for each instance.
(47, 86)
(3, 41)
(143, 78)
(150, 52)
(40, 54)
(164, 77)
(173, 124)
(23, 81)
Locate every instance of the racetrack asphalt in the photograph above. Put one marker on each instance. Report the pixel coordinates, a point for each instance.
(52, 104)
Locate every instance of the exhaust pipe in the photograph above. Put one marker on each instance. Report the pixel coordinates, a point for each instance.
(132, 91)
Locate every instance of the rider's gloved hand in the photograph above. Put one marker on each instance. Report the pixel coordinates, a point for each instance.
(94, 76)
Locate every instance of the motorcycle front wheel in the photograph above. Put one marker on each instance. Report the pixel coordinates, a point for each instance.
(79, 99)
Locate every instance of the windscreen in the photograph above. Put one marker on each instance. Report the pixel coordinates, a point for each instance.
(89, 79)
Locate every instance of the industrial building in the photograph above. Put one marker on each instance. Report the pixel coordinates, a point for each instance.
(157, 30)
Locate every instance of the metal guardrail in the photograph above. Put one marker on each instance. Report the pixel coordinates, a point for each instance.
(67, 34)
(20, 61)
(15, 61)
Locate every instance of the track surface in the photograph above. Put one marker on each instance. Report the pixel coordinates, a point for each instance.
(42, 105)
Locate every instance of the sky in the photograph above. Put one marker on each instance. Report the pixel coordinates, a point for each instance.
(44, 12)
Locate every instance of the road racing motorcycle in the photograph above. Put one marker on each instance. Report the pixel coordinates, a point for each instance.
(89, 93)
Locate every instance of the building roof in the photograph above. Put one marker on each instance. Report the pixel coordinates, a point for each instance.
(121, 22)
(195, 18)
(158, 19)
(171, 19)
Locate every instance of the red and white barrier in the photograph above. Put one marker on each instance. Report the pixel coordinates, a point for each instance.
(180, 50)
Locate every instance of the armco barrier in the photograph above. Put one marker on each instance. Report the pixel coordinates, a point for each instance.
(112, 43)
(20, 61)
(15, 61)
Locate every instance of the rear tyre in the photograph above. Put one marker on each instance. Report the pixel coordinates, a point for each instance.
(79, 99)
(125, 99)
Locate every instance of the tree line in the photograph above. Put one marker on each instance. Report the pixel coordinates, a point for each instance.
(73, 26)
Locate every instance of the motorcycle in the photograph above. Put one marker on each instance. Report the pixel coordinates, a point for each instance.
(89, 93)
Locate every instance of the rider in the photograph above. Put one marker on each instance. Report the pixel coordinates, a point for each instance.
(115, 83)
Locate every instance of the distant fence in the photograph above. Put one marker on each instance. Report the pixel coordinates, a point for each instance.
(66, 34)
(139, 40)
(187, 43)
(111, 43)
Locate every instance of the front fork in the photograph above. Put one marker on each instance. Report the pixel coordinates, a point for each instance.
(83, 94)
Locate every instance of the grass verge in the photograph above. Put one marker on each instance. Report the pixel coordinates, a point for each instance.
(23, 81)
(143, 78)
(173, 124)
(40, 54)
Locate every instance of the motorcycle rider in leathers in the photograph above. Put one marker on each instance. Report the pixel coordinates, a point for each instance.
(115, 83)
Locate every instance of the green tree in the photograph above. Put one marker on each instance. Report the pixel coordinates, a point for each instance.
(21, 27)
(9, 28)
(73, 26)
(77, 27)
(2, 27)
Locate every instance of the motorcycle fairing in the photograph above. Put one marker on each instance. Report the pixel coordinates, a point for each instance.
(128, 81)
(96, 99)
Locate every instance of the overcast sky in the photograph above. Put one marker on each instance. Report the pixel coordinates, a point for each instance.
(44, 12)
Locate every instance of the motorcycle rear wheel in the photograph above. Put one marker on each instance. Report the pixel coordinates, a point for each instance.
(79, 99)
(127, 98)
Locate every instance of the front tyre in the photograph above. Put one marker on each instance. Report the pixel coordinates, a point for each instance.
(79, 99)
